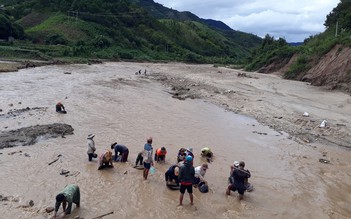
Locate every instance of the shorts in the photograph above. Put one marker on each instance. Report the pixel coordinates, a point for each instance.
(147, 165)
(188, 188)
(240, 190)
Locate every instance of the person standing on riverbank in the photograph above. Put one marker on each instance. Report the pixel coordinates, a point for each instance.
(67, 197)
(147, 157)
(91, 147)
(186, 179)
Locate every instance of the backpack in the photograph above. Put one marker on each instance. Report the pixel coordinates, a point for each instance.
(203, 187)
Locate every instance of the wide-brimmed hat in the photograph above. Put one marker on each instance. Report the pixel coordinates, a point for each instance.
(90, 136)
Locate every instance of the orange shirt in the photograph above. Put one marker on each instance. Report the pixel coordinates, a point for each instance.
(159, 152)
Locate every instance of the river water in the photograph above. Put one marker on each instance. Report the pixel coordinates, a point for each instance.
(116, 105)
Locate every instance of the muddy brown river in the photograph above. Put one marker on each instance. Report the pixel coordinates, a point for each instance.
(116, 105)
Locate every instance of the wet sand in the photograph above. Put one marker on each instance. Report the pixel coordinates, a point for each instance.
(282, 150)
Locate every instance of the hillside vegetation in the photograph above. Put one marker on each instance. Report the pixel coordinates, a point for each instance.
(323, 59)
(112, 29)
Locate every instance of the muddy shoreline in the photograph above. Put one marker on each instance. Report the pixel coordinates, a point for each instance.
(304, 130)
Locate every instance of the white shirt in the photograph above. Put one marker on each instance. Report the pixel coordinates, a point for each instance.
(200, 172)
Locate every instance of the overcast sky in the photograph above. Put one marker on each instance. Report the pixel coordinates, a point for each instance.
(293, 20)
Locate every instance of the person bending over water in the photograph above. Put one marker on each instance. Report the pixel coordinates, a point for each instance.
(240, 175)
(60, 108)
(67, 197)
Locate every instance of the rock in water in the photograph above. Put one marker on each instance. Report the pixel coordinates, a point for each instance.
(49, 209)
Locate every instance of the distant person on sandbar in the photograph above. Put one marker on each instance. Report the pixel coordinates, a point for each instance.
(91, 147)
(60, 108)
(105, 160)
(147, 157)
(120, 151)
(186, 179)
(67, 197)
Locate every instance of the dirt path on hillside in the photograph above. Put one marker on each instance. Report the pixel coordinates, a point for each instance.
(268, 98)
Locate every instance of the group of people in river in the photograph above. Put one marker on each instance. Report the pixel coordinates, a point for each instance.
(182, 175)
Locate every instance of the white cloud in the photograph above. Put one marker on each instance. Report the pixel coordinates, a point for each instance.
(293, 20)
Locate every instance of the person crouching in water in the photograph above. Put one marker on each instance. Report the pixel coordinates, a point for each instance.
(181, 155)
(248, 186)
(240, 175)
(105, 160)
(160, 154)
(139, 159)
(207, 153)
(60, 108)
(186, 179)
(67, 197)
(171, 176)
(200, 172)
(120, 150)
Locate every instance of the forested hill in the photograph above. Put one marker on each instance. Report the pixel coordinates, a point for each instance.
(159, 11)
(110, 29)
(322, 60)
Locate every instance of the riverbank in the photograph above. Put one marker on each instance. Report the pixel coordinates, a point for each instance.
(287, 106)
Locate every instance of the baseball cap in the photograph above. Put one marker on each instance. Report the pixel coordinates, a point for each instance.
(189, 158)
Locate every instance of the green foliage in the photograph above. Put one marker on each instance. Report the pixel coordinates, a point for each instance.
(54, 39)
(300, 66)
(124, 30)
(101, 41)
(341, 14)
(270, 50)
(9, 29)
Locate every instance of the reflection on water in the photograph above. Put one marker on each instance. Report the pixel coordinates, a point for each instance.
(116, 105)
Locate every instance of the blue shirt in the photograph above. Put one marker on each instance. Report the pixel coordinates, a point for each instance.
(148, 147)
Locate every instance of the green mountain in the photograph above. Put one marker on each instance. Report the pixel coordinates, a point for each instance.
(160, 12)
(117, 29)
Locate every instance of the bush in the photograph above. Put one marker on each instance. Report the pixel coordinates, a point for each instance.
(55, 39)
(300, 66)
(101, 42)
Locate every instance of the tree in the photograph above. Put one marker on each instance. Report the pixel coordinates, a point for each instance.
(5, 27)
